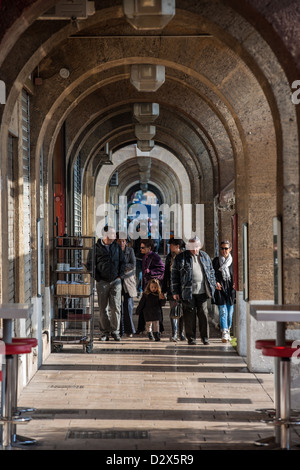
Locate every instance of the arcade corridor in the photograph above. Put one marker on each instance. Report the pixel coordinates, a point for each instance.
(101, 109)
(141, 395)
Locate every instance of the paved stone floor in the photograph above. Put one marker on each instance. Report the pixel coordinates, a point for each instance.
(136, 394)
(139, 395)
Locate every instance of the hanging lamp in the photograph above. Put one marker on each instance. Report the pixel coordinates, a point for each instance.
(145, 131)
(146, 112)
(149, 14)
(147, 77)
(145, 145)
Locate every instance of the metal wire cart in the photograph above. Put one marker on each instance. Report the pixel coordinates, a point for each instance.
(73, 321)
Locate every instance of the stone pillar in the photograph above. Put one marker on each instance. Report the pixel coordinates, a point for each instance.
(240, 321)
(259, 330)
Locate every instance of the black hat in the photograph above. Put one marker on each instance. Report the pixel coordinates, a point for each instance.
(176, 241)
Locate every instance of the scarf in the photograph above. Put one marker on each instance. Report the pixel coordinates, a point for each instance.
(224, 266)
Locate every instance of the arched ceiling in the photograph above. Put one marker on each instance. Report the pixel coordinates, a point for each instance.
(225, 108)
(166, 173)
(217, 91)
(206, 103)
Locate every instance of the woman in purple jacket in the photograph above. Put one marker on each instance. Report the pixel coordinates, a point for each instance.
(152, 265)
(152, 268)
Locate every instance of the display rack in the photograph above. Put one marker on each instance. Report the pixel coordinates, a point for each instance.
(73, 321)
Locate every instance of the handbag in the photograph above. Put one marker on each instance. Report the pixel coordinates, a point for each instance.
(176, 310)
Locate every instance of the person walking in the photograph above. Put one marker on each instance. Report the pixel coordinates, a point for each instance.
(109, 270)
(224, 296)
(176, 247)
(152, 265)
(139, 259)
(128, 288)
(193, 281)
(150, 306)
(152, 268)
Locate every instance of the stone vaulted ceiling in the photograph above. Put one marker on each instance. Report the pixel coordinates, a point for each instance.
(209, 95)
(225, 107)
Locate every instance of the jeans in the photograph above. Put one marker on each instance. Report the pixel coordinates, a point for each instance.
(139, 274)
(177, 326)
(109, 295)
(225, 316)
(127, 326)
(193, 309)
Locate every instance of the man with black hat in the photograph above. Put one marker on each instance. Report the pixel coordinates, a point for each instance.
(193, 281)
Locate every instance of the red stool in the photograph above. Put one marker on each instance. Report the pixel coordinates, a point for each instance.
(11, 350)
(285, 421)
(260, 344)
(265, 343)
(33, 343)
(271, 412)
(15, 438)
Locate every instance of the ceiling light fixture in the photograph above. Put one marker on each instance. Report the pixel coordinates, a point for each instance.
(149, 14)
(106, 155)
(70, 9)
(146, 112)
(145, 131)
(145, 145)
(147, 77)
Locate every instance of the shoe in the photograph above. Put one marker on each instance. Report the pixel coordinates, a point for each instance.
(129, 335)
(191, 341)
(150, 336)
(225, 336)
(205, 341)
(182, 337)
(116, 337)
(104, 338)
(157, 336)
(174, 339)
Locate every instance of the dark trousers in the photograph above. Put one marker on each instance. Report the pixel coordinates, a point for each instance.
(127, 313)
(176, 323)
(193, 309)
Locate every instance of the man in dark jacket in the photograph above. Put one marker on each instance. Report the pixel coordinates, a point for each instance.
(109, 270)
(193, 281)
(177, 245)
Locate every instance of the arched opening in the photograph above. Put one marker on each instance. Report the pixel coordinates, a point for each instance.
(227, 126)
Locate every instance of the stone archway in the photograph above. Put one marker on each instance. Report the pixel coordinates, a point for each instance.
(172, 183)
(227, 112)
